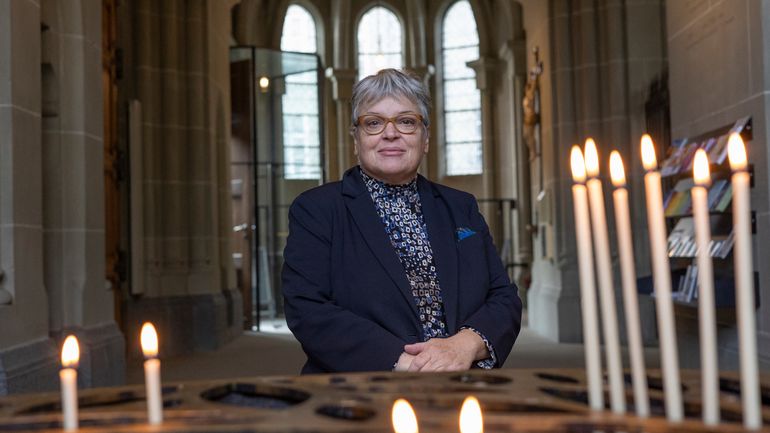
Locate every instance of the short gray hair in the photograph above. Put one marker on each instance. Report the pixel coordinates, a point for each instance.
(391, 83)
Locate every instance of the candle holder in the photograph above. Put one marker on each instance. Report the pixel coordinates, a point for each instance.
(531, 400)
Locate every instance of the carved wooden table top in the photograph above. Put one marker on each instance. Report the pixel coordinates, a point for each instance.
(512, 400)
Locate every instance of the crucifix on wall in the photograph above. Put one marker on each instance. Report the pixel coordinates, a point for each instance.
(531, 108)
(531, 137)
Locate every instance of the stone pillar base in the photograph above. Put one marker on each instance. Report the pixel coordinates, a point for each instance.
(555, 315)
(30, 367)
(35, 366)
(105, 348)
(185, 324)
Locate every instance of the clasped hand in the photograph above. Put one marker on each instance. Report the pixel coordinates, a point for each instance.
(455, 353)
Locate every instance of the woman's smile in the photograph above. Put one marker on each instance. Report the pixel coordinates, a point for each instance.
(392, 151)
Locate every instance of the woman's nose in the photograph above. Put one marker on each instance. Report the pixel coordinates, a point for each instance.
(390, 130)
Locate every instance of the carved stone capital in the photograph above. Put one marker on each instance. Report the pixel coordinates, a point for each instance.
(342, 82)
(425, 73)
(485, 68)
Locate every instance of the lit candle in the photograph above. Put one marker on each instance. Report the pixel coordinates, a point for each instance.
(149, 339)
(68, 377)
(403, 417)
(471, 420)
(628, 276)
(706, 312)
(587, 281)
(744, 283)
(604, 269)
(661, 274)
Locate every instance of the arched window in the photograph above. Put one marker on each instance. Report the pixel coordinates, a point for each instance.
(461, 98)
(301, 146)
(379, 41)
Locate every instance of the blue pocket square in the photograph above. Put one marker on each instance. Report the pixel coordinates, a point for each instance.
(464, 232)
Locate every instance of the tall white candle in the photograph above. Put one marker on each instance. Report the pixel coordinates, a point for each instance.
(628, 276)
(744, 284)
(149, 339)
(662, 281)
(706, 312)
(604, 269)
(587, 282)
(68, 377)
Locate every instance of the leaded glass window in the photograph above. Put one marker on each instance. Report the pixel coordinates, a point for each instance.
(301, 146)
(379, 41)
(461, 98)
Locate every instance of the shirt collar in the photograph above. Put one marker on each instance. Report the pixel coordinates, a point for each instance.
(379, 188)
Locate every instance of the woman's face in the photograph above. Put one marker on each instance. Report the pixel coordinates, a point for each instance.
(391, 155)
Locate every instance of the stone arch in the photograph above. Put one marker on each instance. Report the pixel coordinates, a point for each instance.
(508, 24)
(480, 13)
(357, 20)
(320, 26)
(248, 23)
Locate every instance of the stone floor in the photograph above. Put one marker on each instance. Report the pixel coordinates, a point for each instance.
(274, 351)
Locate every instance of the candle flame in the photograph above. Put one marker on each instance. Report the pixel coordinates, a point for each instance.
(617, 171)
(403, 417)
(700, 168)
(736, 152)
(70, 352)
(149, 339)
(648, 153)
(471, 420)
(578, 165)
(592, 158)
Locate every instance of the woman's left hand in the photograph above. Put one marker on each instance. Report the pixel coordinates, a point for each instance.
(455, 353)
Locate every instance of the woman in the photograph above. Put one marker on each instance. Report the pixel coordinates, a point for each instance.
(387, 270)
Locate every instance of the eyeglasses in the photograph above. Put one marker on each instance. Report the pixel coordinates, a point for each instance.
(373, 124)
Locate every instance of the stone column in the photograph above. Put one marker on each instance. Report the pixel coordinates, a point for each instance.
(174, 128)
(148, 90)
(515, 157)
(202, 275)
(342, 89)
(184, 92)
(73, 192)
(28, 358)
(486, 69)
(415, 32)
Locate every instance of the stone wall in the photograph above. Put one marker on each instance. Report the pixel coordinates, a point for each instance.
(599, 59)
(52, 219)
(718, 62)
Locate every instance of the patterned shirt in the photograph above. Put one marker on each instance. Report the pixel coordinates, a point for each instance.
(400, 210)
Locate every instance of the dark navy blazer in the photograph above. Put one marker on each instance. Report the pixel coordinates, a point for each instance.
(347, 298)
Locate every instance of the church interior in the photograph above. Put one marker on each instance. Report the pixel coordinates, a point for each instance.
(149, 151)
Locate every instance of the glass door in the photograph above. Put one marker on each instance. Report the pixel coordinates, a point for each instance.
(276, 154)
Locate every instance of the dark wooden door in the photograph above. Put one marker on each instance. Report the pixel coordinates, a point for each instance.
(112, 207)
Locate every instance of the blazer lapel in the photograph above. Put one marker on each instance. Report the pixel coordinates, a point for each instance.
(360, 205)
(441, 233)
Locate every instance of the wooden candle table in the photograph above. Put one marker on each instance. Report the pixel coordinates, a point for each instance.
(512, 400)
